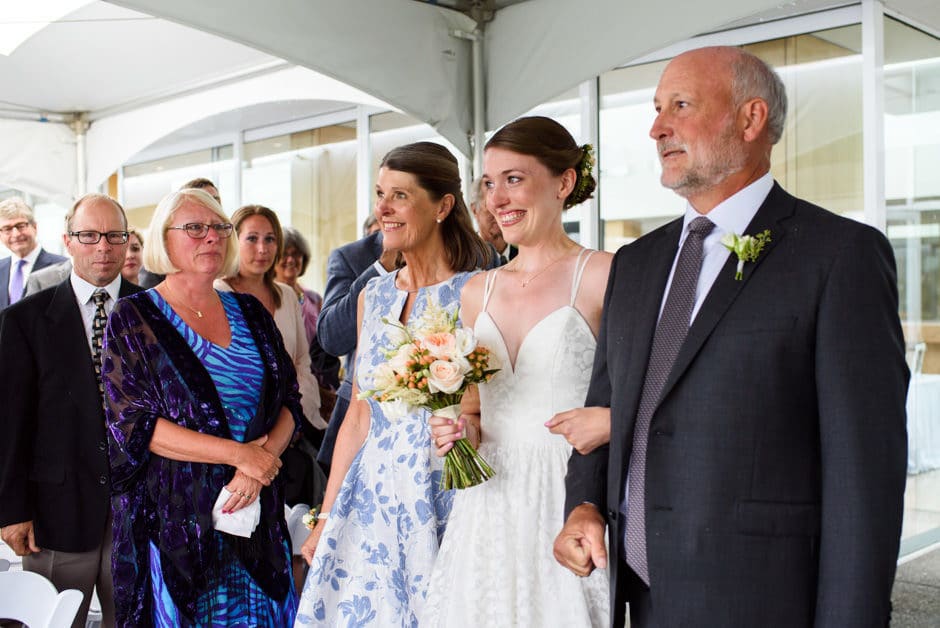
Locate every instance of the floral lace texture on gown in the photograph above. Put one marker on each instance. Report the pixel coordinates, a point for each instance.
(374, 559)
(495, 566)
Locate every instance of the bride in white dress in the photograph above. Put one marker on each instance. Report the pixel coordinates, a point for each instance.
(540, 315)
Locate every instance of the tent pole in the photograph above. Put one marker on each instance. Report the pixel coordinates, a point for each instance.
(479, 104)
(79, 126)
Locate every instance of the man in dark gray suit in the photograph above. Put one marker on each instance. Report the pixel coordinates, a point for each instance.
(756, 466)
(54, 470)
(348, 269)
(18, 234)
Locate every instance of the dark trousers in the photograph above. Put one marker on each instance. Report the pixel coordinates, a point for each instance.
(325, 457)
(637, 595)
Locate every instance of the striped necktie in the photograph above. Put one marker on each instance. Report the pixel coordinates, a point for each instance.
(98, 323)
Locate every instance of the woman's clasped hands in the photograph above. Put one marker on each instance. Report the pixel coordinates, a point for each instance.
(256, 467)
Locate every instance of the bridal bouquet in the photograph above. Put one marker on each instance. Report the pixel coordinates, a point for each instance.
(430, 366)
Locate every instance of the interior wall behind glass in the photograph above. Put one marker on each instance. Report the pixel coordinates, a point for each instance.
(308, 179)
(912, 184)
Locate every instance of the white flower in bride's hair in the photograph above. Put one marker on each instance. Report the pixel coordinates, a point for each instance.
(466, 342)
(444, 376)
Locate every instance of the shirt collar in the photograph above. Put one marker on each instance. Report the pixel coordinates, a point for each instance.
(736, 212)
(31, 257)
(84, 290)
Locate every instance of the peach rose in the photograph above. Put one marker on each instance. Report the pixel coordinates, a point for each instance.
(445, 377)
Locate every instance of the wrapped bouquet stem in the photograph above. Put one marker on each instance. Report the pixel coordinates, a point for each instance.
(430, 365)
(463, 466)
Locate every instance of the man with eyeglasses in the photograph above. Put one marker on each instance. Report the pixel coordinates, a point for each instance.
(54, 469)
(18, 234)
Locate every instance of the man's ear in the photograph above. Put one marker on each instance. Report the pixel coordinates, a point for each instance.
(752, 117)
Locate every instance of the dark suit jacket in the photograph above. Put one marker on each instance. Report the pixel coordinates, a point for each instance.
(53, 454)
(348, 269)
(45, 259)
(776, 458)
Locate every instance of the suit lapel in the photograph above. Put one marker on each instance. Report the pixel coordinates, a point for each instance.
(5, 282)
(776, 207)
(640, 312)
(67, 332)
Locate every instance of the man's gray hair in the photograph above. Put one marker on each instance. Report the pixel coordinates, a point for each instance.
(15, 207)
(751, 77)
(476, 192)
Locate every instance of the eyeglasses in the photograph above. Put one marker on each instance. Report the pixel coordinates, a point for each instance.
(20, 226)
(198, 230)
(94, 237)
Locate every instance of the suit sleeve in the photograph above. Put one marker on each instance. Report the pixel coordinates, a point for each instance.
(861, 379)
(586, 480)
(336, 326)
(19, 391)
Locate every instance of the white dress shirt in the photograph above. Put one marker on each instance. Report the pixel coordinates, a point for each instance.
(83, 292)
(732, 215)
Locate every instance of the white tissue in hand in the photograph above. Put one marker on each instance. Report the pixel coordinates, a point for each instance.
(241, 522)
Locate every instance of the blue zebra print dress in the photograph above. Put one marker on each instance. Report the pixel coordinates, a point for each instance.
(233, 597)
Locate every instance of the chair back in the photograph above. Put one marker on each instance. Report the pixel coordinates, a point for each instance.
(30, 598)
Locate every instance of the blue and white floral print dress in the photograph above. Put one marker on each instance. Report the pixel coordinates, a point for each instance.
(377, 549)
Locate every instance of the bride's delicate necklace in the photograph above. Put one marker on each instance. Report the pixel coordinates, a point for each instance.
(528, 280)
(198, 313)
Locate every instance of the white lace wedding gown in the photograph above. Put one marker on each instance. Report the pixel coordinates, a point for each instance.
(495, 566)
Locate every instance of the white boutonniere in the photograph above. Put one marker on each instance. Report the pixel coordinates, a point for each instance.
(747, 248)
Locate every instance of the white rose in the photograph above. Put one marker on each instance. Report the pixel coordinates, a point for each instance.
(466, 341)
(383, 377)
(444, 376)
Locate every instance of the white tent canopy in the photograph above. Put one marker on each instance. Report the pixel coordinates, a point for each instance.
(136, 77)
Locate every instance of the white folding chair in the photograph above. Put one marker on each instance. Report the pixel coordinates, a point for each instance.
(30, 598)
(295, 526)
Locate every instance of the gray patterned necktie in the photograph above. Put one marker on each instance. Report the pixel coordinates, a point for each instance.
(98, 323)
(670, 333)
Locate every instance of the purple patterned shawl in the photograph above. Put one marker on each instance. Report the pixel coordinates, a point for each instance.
(151, 372)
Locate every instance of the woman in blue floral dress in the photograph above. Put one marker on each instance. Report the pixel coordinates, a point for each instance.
(371, 556)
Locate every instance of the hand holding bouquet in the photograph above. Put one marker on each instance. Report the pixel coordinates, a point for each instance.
(431, 365)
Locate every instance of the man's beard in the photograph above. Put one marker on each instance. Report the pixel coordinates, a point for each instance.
(721, 159)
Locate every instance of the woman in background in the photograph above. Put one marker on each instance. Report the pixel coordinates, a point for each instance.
(290, 268)
(133, 260)
(260, 245)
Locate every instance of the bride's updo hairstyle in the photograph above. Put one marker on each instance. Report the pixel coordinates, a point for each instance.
(436, 172)
(553, 146)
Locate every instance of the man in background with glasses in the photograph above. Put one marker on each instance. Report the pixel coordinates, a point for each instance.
(54, 470)
(18, 233)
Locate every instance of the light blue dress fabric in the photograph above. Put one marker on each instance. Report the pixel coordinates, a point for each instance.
(377, 549)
